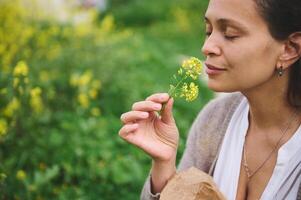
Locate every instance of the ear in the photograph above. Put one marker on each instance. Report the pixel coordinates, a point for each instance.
(292, 50)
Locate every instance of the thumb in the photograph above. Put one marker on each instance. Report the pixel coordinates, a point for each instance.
(167, 116)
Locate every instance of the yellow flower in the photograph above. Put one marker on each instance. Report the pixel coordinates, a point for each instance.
(85, 78)
(189, 92)
(95, 112)
(192, 67)
(80, 80)
(35, 101)
(35, 92)
(3, 127)
(107, 24)
(21, 69)
(83, 100)
(11, 107)
(21, 175)
(93, 93)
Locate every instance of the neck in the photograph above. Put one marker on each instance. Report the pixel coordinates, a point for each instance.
(268, 103)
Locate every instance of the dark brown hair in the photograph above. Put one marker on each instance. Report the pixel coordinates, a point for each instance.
(283, 18)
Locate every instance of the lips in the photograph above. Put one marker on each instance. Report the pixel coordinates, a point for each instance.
(212, 67)
(214, 70)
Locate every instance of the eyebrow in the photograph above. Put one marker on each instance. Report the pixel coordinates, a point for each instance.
(224, 21)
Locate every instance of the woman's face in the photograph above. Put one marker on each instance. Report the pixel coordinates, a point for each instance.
(239, 42)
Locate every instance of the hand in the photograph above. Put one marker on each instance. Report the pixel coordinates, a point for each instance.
(156, 135)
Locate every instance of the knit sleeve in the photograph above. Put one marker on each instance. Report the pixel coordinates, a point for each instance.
(203, 139)
(196, 150)
(146, 193)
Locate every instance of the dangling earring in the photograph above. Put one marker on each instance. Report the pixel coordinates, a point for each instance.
(280, 71)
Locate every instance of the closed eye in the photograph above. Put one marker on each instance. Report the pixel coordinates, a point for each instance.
(230, 37)
(225, 36)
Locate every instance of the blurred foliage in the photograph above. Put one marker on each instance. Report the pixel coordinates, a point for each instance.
(63, 87)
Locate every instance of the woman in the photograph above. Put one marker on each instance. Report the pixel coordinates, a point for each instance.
(249, 141)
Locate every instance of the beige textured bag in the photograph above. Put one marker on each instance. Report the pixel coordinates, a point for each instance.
(191, 184)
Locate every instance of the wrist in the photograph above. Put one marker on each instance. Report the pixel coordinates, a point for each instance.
(164, 163)
(164, 168)
(161, 173)
(166, 160)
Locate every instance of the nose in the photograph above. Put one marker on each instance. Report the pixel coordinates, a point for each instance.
(210, 47)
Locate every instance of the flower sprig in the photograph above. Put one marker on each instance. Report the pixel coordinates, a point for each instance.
(191, 69)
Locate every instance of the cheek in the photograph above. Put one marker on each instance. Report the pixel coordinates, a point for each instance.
(259, 53)
(249, 65)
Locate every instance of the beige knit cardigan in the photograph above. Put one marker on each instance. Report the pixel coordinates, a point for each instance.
(205, 138)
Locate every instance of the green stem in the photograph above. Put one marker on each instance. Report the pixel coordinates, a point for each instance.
(171, 92)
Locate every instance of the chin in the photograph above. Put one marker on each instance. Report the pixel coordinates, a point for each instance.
(221, 87)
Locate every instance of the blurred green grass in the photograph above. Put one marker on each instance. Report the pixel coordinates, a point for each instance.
(64, 151)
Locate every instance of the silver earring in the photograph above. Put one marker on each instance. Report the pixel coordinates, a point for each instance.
(280, 71)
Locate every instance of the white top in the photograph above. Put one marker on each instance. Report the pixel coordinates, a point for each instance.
(286, 176)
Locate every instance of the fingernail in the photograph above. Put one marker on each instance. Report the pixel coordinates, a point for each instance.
(164, 95)
(134, 125)
(144, 114)
(157, 106)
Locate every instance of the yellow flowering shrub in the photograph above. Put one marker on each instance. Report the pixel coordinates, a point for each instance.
(87, 88)
(41, 92)
(22, 92)
(29, 88)
(14, 33)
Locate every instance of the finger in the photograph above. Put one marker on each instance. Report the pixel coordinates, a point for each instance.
(146, 106)
(158, 97)
(167, 115)
(133, 115)
(126, 129)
